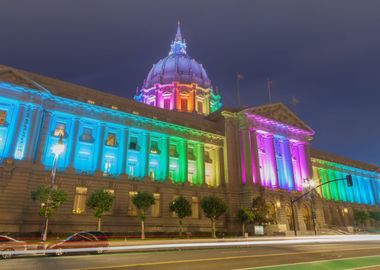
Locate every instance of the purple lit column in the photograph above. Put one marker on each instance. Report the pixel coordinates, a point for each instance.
(245, 157)
(304, 161)
(255, 158)
(296, 166)
(271, 160)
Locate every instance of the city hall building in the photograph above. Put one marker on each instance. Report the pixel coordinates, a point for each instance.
(173, 138)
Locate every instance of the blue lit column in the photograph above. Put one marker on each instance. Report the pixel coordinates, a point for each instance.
(46, 118)
(74, 141)
(124, 160)
(34, 131)
(98, 167)
(20, 116)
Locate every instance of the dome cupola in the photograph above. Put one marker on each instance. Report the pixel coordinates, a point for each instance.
(178, 82)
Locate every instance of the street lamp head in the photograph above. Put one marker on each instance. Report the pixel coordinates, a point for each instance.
(312, 183)
(58, 148)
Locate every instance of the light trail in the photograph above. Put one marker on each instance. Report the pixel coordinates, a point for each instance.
(218, 244)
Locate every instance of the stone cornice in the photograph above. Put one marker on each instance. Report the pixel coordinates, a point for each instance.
(77, 108)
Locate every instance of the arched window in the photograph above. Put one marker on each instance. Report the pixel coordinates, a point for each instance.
(306, 217)
(289, 217)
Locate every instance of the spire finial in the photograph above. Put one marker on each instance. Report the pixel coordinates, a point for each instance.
(178, 45)
(178, 36)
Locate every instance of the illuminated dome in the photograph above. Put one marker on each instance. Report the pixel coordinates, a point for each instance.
(178, 66)
(178, 82)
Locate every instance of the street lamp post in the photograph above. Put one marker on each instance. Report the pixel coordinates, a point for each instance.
(309, 186)
(57, 149)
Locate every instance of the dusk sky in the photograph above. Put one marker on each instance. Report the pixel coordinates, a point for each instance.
(326, 54)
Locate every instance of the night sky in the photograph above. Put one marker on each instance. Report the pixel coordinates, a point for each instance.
(325, 54)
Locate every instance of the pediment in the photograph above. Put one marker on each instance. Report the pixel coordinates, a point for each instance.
(11, 76)
(279, 112)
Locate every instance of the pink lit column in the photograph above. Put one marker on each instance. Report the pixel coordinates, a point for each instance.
(255, 158)
(245, 157)
(296, 166)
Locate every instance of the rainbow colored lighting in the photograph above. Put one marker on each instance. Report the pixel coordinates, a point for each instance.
(365, 189)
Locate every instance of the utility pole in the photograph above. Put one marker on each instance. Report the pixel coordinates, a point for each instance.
(269, 87)
(239, 77)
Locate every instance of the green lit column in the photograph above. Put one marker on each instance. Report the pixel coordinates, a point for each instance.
(164, 158)
(200, 167)
(182, 163)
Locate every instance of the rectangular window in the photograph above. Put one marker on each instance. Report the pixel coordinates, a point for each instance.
(190, 153)
(200, 106)
(59, 130)
(184, 104)
(167, 103)
(195, 207)
(80, 200)
(86, 135)
(156, 207)
(133, 143)
(3, 116)
(132, 210)
(131, 169)
(154, 147)
(173, 150)
(111, 139)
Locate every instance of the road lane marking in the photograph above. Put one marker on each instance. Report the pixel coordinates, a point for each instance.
(215, 259)
(365, 267)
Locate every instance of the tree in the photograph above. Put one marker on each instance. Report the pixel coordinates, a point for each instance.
(182, 208)
(50, 200)
(143, 200)
(213, 207)
(260, 210)
(100, 201)
(245, 216)
(375, 215)
(360, 216)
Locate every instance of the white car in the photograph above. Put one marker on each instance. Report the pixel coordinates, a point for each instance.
(8, 246)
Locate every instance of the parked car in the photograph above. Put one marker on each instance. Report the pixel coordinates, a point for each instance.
(81, 240)
(9, 245)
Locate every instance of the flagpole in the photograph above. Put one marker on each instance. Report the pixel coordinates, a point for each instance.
(238, 90)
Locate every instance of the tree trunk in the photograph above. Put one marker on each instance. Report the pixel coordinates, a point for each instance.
(243, 228)
(142, 229)
(180, 227)
(45, 230)
(99, 224)
(213, 233)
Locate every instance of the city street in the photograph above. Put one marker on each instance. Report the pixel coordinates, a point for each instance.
(266, 253)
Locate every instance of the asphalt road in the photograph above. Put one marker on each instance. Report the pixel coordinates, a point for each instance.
(215, 258)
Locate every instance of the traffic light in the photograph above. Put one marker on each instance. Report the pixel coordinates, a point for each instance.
(349, 180)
